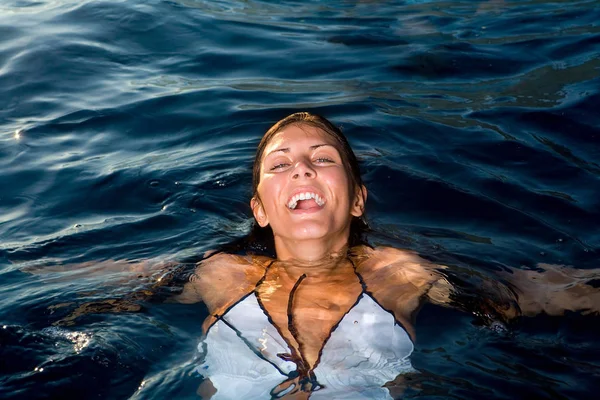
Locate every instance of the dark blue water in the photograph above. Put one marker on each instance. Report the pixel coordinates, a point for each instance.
(127, 131)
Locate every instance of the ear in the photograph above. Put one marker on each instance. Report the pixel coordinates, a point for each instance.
(259, 212)
(358, 204)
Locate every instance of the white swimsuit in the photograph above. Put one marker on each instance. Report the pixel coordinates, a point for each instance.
(240, 354)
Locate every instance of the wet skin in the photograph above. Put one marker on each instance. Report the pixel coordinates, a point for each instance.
(398, 280)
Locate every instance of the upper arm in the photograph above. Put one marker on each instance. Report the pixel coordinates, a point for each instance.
(402, 279)
(210, 274)
(221, 279)
(440, 290)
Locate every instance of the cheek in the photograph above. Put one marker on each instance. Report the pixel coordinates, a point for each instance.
(340, 184)
(268, 190)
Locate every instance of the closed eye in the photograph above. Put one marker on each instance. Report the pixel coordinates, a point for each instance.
(278, 166)
(324, 160)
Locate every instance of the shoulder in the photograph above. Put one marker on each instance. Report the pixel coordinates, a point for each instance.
(221, 278)
(404, 264)
(399, 280)
(224, 270)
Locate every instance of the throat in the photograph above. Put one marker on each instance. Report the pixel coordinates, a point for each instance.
(319, 270)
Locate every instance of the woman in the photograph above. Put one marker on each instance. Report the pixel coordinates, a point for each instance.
(327, 315)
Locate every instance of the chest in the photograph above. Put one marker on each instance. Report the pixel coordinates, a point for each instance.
(367, 341)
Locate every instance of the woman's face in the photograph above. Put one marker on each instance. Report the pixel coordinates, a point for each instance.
(304, 190)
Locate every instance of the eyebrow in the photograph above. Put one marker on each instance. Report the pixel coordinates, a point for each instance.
(287, 149)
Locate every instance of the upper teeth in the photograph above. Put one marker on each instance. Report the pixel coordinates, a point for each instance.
(305, 196)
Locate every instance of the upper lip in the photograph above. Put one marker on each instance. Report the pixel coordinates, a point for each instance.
(305, 189)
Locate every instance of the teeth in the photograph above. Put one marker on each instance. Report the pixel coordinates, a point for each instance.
(319, 201)
(305, 196)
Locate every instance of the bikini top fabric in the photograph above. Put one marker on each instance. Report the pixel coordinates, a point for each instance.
(241, 354)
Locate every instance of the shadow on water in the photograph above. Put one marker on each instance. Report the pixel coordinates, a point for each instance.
(127, 132)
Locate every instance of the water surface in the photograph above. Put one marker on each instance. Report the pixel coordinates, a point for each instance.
(127, 131)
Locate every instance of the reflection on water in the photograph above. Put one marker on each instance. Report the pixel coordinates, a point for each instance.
(80, 340)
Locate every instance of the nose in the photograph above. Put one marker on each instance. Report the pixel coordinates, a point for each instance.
(303, 169)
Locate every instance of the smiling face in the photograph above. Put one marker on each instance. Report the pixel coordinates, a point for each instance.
(304, 192)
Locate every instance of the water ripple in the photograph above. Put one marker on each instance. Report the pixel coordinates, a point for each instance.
(127, 132)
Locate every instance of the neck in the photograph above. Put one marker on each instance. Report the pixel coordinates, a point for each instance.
(311, 251)
(326, 267)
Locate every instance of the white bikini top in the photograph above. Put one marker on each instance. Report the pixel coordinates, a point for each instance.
(367, 349)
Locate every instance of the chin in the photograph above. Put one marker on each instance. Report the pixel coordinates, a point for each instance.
(307, 231)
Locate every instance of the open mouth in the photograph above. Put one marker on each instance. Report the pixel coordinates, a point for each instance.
(305, 201)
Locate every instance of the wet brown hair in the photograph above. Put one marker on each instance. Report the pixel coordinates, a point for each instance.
(261, 240)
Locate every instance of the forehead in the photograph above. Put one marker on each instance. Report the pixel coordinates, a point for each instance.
(298, 136)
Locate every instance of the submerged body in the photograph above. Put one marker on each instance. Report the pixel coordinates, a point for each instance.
(340, 327)
(244, 354)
